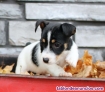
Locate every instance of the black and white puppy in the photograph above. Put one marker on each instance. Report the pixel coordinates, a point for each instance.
(54, 50)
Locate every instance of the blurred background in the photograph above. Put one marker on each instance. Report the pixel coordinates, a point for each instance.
(18, 17)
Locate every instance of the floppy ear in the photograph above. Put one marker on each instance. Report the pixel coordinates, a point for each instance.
(42, 24)
(68, 29)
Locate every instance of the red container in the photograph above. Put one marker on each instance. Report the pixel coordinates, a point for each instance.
(26, 83)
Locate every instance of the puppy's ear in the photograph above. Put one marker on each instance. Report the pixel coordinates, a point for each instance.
(42, 24)
(68, 29)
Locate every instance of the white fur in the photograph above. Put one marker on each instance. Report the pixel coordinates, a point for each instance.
(72, 56)
(24, 62)
(49, 37)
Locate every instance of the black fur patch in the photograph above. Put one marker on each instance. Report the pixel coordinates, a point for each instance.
(69, 44)
(58, 35)
(34, 57)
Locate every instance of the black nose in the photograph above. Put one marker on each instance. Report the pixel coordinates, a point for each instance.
(45, 60)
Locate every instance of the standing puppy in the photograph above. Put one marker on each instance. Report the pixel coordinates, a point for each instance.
(54, 50)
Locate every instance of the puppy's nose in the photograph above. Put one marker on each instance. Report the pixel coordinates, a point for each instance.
(46, 60)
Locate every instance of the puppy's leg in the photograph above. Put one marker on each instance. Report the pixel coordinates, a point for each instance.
(72, 57)
(56, 70)
(21, 66)
(20, 69)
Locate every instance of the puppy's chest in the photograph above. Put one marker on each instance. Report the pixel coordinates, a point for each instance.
(61, 58)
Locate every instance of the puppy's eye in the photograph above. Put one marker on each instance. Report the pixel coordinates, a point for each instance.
(57, 45)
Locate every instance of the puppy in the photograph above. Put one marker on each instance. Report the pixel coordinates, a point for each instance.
(54, 50)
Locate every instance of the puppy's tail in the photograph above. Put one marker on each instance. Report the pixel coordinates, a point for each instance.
(28, 43)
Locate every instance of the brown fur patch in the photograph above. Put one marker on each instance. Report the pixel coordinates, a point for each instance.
(43, 40)
(73, 32)
(57, 57)
(42, 25)
(65, 45)
(53, 41)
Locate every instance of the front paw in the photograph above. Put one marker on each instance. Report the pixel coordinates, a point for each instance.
(65, 74)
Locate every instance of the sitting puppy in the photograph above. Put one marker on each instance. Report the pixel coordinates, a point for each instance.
(54, 50)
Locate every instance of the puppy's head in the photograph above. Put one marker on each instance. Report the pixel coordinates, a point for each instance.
(54, 39)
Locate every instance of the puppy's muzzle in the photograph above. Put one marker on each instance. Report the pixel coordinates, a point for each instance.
(46, 60)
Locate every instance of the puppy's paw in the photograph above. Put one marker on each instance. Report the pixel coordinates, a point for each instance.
(65, 74)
